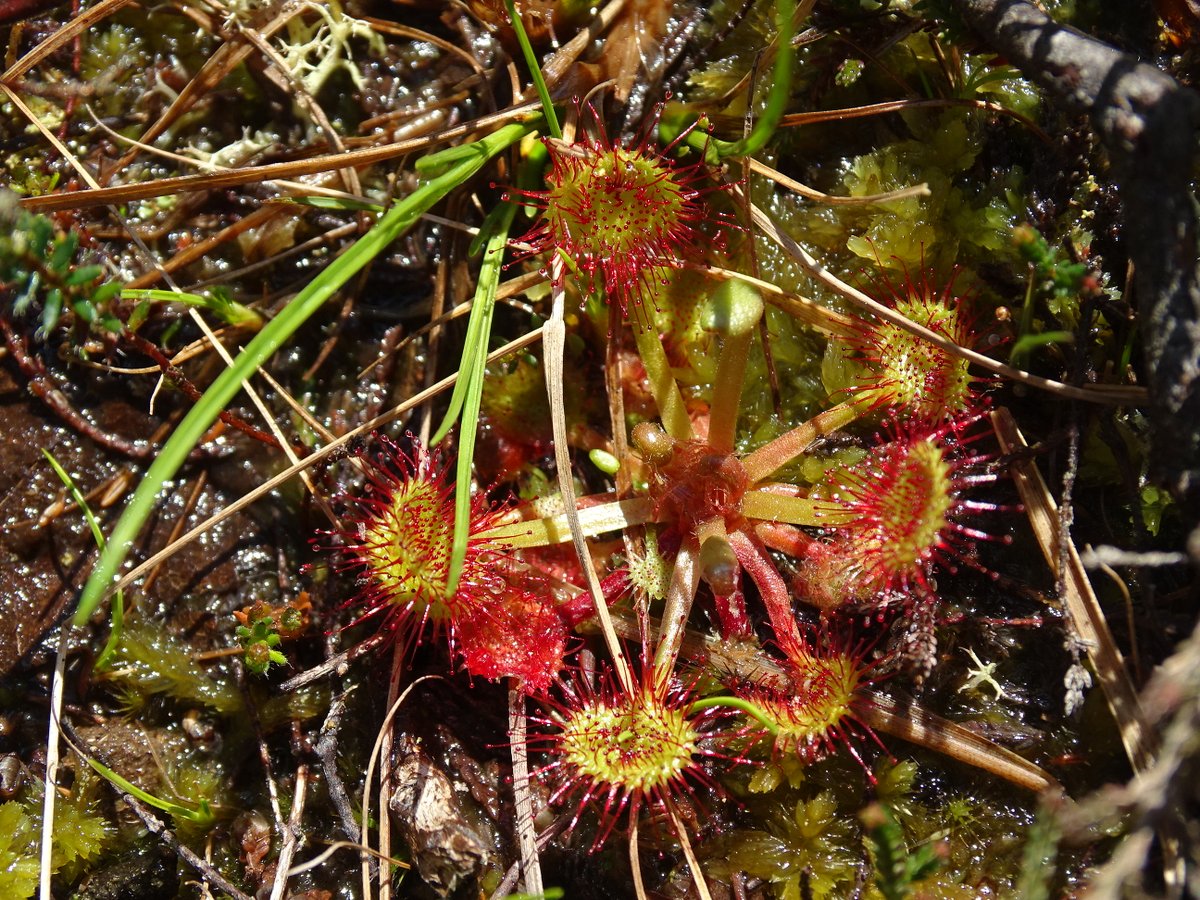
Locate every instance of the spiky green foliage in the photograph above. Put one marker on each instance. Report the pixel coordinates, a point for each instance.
(897, 866)
(18, 852)
(39, 263)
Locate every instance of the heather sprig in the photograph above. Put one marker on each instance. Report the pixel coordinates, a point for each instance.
(40, 265)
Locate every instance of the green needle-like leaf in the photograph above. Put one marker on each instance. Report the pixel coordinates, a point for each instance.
(273, 336)
(471, 376)
(118, 609)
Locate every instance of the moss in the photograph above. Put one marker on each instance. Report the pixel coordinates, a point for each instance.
(18, 852)
(115, 48)
(893, 786)
(982, 834)
(81, 836)
(81, 832)
(796, 353)
(197, 780)
(153, 662)
(809, 849)
(27, 175)
(976, 172)
(721, 75)
(916, 230)
(980, 837)
(982, 78)
(788, 768)
(514, 401)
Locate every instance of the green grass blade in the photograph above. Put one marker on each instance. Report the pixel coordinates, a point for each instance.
(781, 86)
(338, 203)
(273, 335)
(499, 220)
(1026, 344)
(118, 607)
(77, 496)
(473, 377)
(535, 71)
(202, 816)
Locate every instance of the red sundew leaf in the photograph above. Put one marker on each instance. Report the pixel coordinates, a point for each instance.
(623, 214)
(820, 709)
(521, 635)
(907, 511)
(398, 539)
(906, 373)
(626, 752)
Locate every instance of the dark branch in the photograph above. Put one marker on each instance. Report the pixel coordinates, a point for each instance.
(1148, 123)
(205, 869)
(326, 751)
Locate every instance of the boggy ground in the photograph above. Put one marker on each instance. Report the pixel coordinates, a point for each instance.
(968, 719)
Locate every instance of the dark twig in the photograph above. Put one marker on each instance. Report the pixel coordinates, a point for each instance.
(159, 829)
(181, 381)
(1148, 123)
(335, 665)
(326, 750)
(42, 385)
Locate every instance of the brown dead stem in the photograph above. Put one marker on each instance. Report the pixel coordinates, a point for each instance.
(1079, 600)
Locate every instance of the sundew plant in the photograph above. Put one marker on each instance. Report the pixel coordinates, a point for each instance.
(535, 449)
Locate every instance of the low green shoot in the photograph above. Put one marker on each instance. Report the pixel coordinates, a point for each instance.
(218, 302)
(259, 641)
(202, 816)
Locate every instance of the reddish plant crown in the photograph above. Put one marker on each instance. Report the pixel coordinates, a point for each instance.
(690, 481)
(621, 214)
